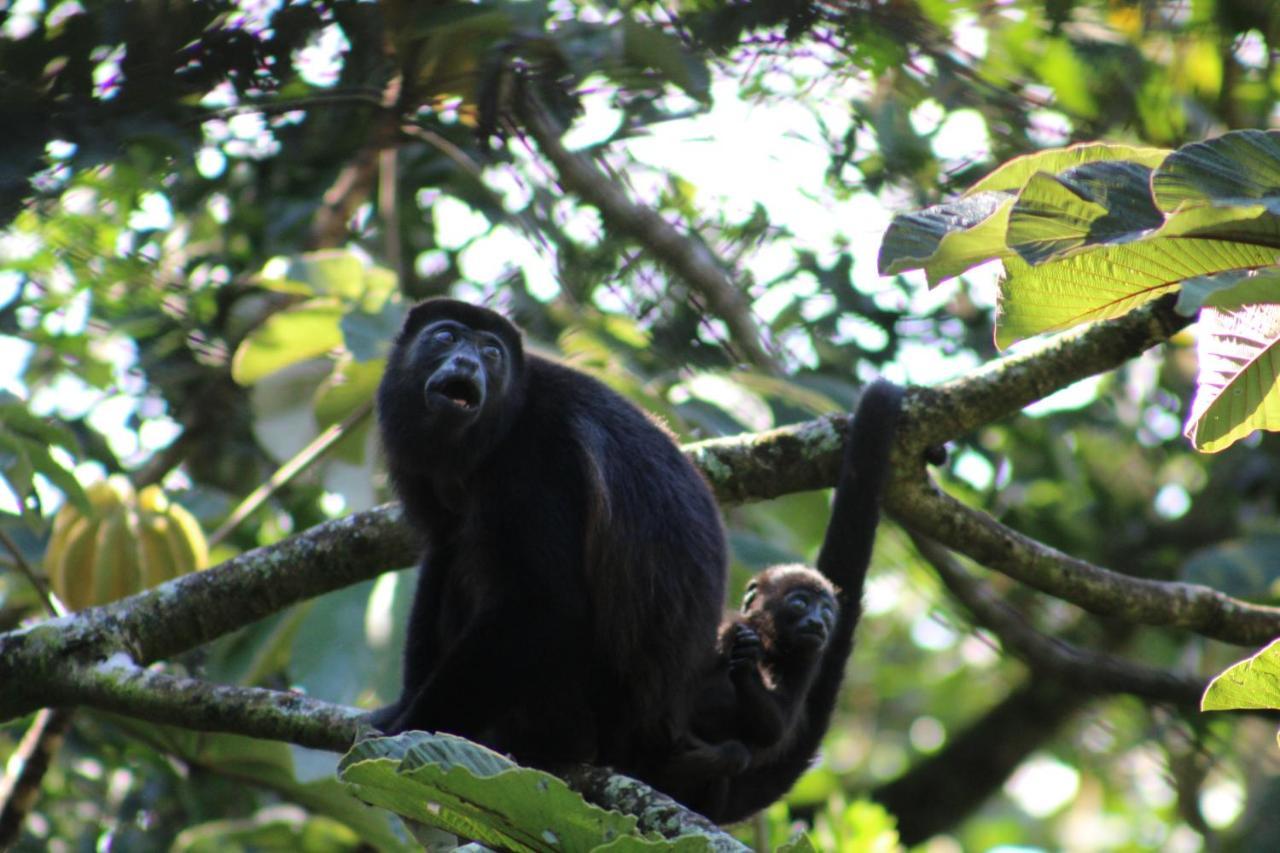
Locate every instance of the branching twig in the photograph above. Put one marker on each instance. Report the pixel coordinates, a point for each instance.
(315, 449)
(51, 604)
(980, 537)
(1090, 671)
(686, 256)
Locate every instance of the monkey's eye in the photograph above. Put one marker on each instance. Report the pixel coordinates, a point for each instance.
(444, 336)
(798, 602)
(491, 353)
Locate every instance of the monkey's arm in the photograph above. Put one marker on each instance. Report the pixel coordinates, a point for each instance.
(421, 650)
(758, 716)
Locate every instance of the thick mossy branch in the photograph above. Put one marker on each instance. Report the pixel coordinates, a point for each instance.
(655, 811)
(39, 665)
(119, 685)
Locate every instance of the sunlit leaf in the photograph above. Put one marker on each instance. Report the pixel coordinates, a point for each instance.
(1238, 168)
(947, 239)
(1098, 203)
(1252, 683)
(1239, 355)
(350, 387)
(1236, 287)
(1109, 282)
(1015, 174)
(329, 273)
(288, 337)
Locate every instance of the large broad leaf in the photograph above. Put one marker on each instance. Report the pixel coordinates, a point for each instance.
(1015, 174)
(1109, 282)
(348, 389)
(1239, 354)
(345, 275)
(288, 337)
(1095, 204)
(947, 239)
(1240, 168)
(1227, 188)
(450, 783)
(1251, 684)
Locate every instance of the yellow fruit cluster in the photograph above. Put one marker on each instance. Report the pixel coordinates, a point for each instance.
(129, 541)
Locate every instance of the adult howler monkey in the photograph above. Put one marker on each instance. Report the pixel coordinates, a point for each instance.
(575, 566)
(767, 701)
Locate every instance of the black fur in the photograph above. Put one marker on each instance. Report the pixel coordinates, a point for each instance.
(749, 709)
(575, 565)
(755, 732)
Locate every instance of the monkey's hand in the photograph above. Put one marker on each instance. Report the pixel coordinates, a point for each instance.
(745, 649)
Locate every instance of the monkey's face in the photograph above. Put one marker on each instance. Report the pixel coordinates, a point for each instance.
(453, 385)
(804, 619)
(465, 371)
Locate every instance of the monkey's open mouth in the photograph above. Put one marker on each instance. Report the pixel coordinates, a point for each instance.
(462, 392)
(811, 635)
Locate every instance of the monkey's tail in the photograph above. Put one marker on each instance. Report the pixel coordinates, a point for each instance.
(851, 533)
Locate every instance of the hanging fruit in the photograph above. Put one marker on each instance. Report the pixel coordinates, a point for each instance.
(129, 541)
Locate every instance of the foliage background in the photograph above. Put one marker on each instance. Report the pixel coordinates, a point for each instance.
(166, 165)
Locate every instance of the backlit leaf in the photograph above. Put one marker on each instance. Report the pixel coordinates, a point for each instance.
(1098, 203)
(1252, 683)
(1109, 282)
(1238, 168)
(1239, 355)
(288, 337)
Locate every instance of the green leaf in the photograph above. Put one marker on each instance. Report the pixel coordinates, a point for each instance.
(947, 239)
(30, 438)
(1017, 172)
(332, 272)
(1244, 568)
(1228, 288)
(649, 47)
(351, 386)
(288, 337)
(1251, 684)
(1109, 282)
(269, 764)
(1239, 355)
(368, 335)
(450, 783)
(1098, 203)
(1240, 168)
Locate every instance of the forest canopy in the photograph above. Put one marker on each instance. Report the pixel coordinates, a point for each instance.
(1057, 222)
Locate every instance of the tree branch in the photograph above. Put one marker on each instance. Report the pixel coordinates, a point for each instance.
(924, 508)
(685, 255)
(1088, 671)
(37, 664)
(121, 686)
(189, 611)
